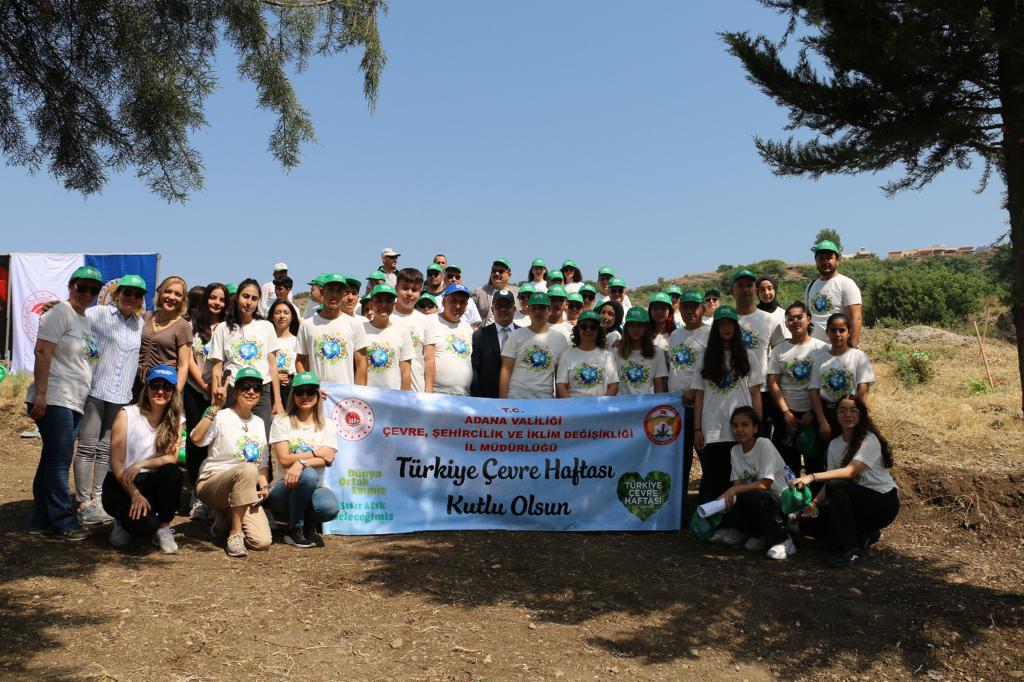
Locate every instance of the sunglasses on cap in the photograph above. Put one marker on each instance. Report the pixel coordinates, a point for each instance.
(248, 387)
(304, 391)
(91, 289)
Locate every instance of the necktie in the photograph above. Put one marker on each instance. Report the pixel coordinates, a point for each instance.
(504, 337)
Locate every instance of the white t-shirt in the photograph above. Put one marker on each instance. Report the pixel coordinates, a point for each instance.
(301, 438)
(708, 321)
(794, 364)
(761, 332)
(610, 339)
(780, 314)
(637, 373)
(249, 345)
(386, 350)
(73, 359)
(722, 398)
(587, 372)
(453, 351)
(422, 330)
(286, 351)
(763, 461)
(573, 287)
(540, 286)
(331, 346)
(231, 440)
(140, 437)
(536, 359)
(601, 298)
(825, 297)
(268, 297)
(661, 341)
(836, 376)
(875, 476)
(521, 319)
(564, 328)
(201, 352)
(685, 348)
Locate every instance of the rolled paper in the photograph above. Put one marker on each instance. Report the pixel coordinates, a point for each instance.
(711, 508)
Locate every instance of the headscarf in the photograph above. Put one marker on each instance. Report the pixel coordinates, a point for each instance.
(761, 305)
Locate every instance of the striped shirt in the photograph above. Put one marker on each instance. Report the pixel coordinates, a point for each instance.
(118, 340)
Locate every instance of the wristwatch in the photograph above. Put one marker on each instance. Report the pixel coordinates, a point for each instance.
(303, 463)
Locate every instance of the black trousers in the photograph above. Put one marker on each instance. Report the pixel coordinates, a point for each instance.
(716, 467)
(195, 404)
(856, 512)
(758, 513)
(160, 487)
(771, 418)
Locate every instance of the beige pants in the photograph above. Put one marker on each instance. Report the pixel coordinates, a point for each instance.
(236, 487)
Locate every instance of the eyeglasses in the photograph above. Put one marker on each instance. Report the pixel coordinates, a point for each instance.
(617, 290)
(248, 387)
(710, 299)
(304, 391)
(92, 290)
(588, 327)
(161, 386)
(795, 318)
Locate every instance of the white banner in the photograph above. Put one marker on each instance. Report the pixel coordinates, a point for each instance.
(35, 279)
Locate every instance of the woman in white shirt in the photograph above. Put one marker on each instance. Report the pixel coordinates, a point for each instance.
(640, 364)
(859, 497)
(539, 274)
(587, 368)
(659, 308)
(837, 371)
(142, 487)
(285, 319)
(303, 444)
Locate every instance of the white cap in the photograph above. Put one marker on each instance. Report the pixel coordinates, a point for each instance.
(280, 266)
(388, 251)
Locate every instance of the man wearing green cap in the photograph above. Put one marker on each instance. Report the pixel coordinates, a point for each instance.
(501, 273)
(761, 332)
(434, 282)
(331, 343)
(832, 293)
(685, 350)
(316, 296)
(530, 357)
(389, 346)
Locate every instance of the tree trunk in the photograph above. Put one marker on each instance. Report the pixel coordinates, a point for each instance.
(1008, 19)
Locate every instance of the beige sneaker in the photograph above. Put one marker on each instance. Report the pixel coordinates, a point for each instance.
(236, 545)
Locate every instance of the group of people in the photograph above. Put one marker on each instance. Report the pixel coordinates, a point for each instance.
(770, 390)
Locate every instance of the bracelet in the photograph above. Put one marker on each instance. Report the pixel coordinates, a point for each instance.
(210, 412)
(813, 479)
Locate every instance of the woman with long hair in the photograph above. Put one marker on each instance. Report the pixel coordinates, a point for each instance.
(859, 496)
(728, 375)
(285, 318)
(611, 321)
(586, 368)
(166, 334)
(837, 371)
(539, 274)
(640, 364)
(572, 274)
(659, 308)
(303, 444)
(141, 489)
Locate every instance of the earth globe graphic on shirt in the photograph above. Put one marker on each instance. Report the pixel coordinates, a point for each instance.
(538, 357)
(301, 447)
(92, 351)
(248, 350)
(282, 361)
(379, 357)
(459, 346)
(800, 370)
(330, 349)
(727, 382)
(836, 380)
(588, 375)
(683, 356)
(635, 373)
(251, 450)
(821, 303)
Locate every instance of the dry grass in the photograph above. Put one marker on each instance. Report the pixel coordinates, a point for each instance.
(12, 392)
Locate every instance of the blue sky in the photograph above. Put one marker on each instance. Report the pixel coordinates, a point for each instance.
(608, 132)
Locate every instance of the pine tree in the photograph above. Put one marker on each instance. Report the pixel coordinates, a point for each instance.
(922, 84)
(90, 87)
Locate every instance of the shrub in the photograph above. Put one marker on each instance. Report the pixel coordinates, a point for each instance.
(925, 292)
(978, 386)
(912, 368)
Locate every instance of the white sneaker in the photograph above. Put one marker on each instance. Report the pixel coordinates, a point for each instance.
(782, 550)
(119, 537)
(164, 539)
(199, 511)
(756, 544)
(236, 545)
(732, 537)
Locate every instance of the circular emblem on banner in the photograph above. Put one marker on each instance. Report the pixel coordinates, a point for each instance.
(107, 292)
(663, 425)
(32, 308)
(354, 419)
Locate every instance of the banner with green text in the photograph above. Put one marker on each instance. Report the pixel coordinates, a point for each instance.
(413, 461)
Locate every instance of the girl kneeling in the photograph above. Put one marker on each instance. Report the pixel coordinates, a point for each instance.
(141, 489)
(303, 444)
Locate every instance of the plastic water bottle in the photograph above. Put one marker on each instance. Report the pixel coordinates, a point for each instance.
(790, 476)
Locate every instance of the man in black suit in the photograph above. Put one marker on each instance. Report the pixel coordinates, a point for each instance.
(487, 344)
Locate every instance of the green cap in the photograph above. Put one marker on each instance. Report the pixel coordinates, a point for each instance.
(673, 290)
(364, 300)
(826, 245)
(557, 290)
(569, 263)
(726, 312)
(435, 267)
(660, 297)
(691, 296)
(704, 528)
(503, 261)
(427, 297)
(386, 289)
(87, 272)
(132, 281)
(617, 282)
(637, 314)
(248, 372)
(712, 292)
(794, 500)
(606, 270)
(377, 275)
(527, 289)
(454, 267)
(334, 278)
(3, 372)
(744, 272)
(318, 280)
(556, 274)
(539, 298)
(354, 282)
(538, 263)
(305, 379)
(575, 298)
(232, 288)
(589, 315)
(588, 287)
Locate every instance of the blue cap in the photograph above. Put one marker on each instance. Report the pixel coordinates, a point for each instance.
(165, 372)
(456, 289)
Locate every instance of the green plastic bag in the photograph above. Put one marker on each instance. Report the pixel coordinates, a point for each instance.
(181, 450)
(704, 528)
(809, 445)
(793, 500)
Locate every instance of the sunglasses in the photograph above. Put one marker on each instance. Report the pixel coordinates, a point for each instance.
(588, 296)
(453, 275)
(710, 299)
(91, 289)
(575, 306)
(499, 271)
(248, 387)
(794, 318)
(305, 391)
(161, 386)
(132, 292)
(588, 327)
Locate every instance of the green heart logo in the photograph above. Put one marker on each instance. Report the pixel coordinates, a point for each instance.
(644, 496)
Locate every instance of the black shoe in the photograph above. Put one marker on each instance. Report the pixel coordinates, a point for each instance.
(296, 538)
(873, 538)
(850, 557)
(76, 534)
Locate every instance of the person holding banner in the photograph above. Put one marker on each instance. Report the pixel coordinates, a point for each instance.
(453, 356)
(166, 334)
(530, 357)
(142, 487)
(65, 355)
(389, 346)
(586, 369)
(729, 375)
(117, 333)
(640, 364)
(302, 443)
(233, 478)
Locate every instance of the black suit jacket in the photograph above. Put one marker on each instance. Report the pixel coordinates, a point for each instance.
(486, 361)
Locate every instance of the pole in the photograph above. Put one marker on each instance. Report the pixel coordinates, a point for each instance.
(984, 357)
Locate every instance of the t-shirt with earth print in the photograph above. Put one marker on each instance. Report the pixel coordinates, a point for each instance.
(586, 372)
(794, 364)
(331, 345)
(839, 375)
(825, 297)
(685, 348)
(637, 373)
(386, 349)
(536, 358)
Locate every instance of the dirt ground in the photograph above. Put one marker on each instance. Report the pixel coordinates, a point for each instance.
(942, 597)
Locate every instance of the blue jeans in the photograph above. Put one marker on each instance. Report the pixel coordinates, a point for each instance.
(304, 501)
(51, 496)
